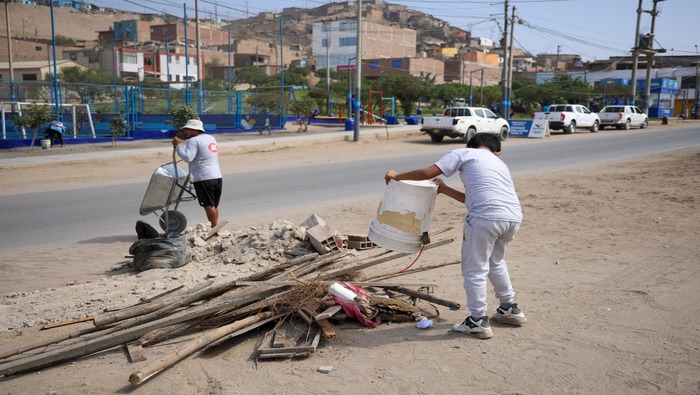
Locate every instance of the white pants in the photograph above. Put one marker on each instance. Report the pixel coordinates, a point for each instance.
(483, 251)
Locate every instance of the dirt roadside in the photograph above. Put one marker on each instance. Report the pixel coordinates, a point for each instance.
(603, 266)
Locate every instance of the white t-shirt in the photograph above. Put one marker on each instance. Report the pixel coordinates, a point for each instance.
(202, 154)
(489, 189)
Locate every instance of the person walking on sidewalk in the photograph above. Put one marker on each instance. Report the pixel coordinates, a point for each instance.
(493, 218)
(202, 154)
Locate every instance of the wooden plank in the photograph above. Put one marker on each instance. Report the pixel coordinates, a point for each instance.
(215, 229)
(241, 331)
(327, 329)
(339, 272)
(72, 351)
(281, 339)
(329, 282)
(68, 322)
(316, 338)
(329, 312)
(136, 352)
(284, 355)
(304, 316)
(207, 338)
(293, 349)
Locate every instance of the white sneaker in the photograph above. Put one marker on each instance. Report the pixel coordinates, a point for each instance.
(511, 316)
(481, 329)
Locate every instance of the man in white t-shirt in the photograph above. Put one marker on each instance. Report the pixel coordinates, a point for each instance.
(202, 154)
(493, 218)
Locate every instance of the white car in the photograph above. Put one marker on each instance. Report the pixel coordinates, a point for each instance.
(463, 123)
(623, 117)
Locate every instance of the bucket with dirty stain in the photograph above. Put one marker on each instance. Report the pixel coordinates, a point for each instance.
(45, 144)
(404, 215)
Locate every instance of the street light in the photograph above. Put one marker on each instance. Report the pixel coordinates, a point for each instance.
(605, 88)
(470, 83)
(349, 101)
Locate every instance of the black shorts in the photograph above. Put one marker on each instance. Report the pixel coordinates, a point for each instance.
(208, 192)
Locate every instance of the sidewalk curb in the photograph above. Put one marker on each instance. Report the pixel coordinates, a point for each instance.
(261, 143)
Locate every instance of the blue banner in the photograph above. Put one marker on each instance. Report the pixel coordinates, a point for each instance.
(519, 128)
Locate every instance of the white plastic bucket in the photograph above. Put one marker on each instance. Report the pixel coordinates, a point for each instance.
(404, 215)
(45, 144)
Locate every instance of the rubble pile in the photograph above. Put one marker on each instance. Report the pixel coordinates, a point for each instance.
(277, 274)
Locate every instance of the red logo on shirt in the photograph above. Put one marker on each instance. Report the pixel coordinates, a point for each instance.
(213, 147)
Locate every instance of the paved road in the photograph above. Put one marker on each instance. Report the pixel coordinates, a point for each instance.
(82, 215)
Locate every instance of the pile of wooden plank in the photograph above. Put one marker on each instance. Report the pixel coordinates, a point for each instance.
(292, 292)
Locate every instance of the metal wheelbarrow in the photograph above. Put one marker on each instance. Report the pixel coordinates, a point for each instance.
(169, 186)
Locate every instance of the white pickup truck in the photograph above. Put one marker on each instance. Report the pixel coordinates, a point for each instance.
(568, 117)
(464, 123)
(623, 117)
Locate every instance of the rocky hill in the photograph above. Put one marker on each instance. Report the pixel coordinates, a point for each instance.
(33, 22)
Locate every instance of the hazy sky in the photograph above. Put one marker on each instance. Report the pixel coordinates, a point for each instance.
(594, 29)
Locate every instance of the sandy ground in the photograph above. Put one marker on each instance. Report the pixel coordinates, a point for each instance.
(605, 266)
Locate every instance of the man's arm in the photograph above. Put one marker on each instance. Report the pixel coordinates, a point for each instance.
(187, 152)
(426, 173)
(449, 191)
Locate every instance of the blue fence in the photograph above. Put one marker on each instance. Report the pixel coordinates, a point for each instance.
(144, 108)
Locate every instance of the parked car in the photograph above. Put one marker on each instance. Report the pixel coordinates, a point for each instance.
(568, 117)
(463, 123)
(623, 117)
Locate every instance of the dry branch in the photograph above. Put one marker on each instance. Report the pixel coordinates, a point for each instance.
(424, 296)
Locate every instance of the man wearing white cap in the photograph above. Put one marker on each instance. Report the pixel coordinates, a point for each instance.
(202, 154)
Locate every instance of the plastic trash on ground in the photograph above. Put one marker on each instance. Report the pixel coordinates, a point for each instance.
(424, 323)
(153, 251)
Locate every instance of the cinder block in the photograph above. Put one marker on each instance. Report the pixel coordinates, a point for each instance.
(358, 242)
(322, 240)
(314, 220)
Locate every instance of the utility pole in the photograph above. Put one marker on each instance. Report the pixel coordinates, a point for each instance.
(9, 50)
(650, 58)
(199, 59)
(358, 72)
(188, 94)
(470, 87)
(697, 82)
(556, 62)
(510, 63)
(635, 56)
(504, 72)
(328, 73)
(57, 110)
(481, 89)
(282, 116)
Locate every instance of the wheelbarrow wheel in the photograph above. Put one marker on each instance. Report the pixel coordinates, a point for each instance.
(176, 221)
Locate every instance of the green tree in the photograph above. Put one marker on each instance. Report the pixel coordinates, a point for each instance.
(267, 101)
(33, 117)
(302, 106)
(63, 41)
(493, 94)
(253, 76)
(214, 84)
(449, 91)
(181, 115)
(406, 88)
(564, 88)
(526, 89)
(291, 77)
(117, 127)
